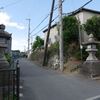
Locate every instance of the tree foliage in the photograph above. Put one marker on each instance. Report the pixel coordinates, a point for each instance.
(70, 36)
(8, 57)
(70, 29)
(53, 49)
(93, 26)
(38, 43)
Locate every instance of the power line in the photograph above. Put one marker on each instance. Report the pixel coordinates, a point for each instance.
(45, 18)
(40, 23)
(86, 4)
(57, 16)
(45, 26)
(28, 34)
(70, 13)
(11, 4)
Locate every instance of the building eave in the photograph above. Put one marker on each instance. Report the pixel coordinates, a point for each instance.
(50, 28)
(81, 10)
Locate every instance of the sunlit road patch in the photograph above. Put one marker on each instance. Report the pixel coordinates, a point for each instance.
(94, 98)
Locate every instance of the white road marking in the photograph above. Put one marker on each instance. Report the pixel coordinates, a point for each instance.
(21, 87)
(21, 94)
(94, 98)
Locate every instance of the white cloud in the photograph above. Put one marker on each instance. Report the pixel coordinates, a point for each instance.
(19, 44)
(6, 20)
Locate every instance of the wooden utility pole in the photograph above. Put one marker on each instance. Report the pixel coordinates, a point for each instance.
(48, 33)
(60, 35)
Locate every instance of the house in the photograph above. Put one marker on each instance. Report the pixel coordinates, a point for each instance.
(53, 35)
(81, 14)
(5, 38)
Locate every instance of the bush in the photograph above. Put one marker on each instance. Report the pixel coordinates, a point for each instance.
(8, 57)
(70, 29)
(37, 56)
(93, 26)
(53, 49)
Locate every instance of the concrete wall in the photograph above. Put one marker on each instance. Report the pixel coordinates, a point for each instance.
(88, 15)
(84, 15)
(53, 36)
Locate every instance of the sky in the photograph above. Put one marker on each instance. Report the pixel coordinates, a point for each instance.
(13, 14)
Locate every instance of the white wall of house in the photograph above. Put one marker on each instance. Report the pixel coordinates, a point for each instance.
(79, 17)
(83, 17)
(53, 36)
(88, 15)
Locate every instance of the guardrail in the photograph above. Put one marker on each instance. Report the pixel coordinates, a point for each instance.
(9, 83)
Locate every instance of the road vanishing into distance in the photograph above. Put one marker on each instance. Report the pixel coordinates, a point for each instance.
(41, 84)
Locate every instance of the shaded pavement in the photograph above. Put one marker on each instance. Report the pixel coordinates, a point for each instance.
(42, 84)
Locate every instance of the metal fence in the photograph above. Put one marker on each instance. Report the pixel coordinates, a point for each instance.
(9, 83)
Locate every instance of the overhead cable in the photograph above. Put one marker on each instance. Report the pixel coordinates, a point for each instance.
(45, 18)
(70, 13)
(11, 4)
(66, 14)
(45, 26)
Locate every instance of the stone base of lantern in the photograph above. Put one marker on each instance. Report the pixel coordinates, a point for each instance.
(3, 64)
(91, 68)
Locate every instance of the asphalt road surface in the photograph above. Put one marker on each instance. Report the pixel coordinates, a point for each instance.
(41, 84)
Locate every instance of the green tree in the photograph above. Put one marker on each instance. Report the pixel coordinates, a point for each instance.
(38, 43)
(93, 26)
(70, 36)
(8, 57)
(70, 29)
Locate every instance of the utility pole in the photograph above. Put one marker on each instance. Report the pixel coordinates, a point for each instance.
(60, 35)
(48, 33)
(80, 38)
(28, 49)
(31, 42)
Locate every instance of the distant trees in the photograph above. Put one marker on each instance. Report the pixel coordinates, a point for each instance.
(38, 43)
(93, 26)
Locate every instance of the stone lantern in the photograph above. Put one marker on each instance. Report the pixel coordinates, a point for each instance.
(3, 45)
(91, 48)
(92, 65)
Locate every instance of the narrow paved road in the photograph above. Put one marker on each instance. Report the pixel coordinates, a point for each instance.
(41, 84)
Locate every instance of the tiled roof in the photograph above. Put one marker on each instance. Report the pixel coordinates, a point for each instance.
(82, 9)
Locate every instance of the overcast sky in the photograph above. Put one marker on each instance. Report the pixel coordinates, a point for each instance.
(15, 13)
